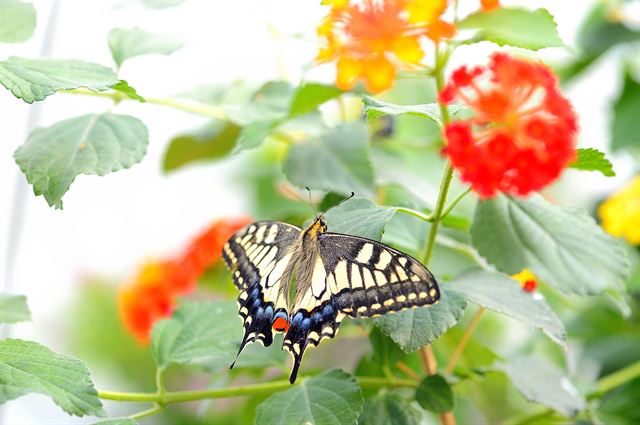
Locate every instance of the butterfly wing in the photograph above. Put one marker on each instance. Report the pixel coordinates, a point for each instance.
(356, 277)
(259, 258)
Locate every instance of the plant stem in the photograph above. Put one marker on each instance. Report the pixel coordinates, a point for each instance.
(152, 411)
(420, 215)
(437, 213)
(169, 397)
(408, 371)
(616, 379)
(464, 340)
(453, 204)
(190, 106)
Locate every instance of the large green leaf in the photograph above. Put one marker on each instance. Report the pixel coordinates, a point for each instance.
(337, 161)
(52, 157)
(17, 21)
(129, 43)
(197, 332)
(331, 398)
(14, 309)
(212, 142)
(542, 382)
(515, 27)
(385, 351)
(626, 109)
(389, 408)
(34, 79)
(309, 96)
(591, 159)
(359, 217)
(434, 394)
(416, 327)
(28, 367)
(505, 295)
(562, 246)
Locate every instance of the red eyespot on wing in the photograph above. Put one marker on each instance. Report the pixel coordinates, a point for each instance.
(281, 324)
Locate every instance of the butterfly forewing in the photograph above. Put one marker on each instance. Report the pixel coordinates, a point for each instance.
(258, 256)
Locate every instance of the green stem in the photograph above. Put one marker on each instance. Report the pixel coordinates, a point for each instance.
(152, 411)
(192, 107)
(453, 204)
(616, 379)
(420, 215)
(161, 390)
(261, 388)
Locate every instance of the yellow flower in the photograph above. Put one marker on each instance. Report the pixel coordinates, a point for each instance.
(620, 213)
(527, 280)
(370, 39)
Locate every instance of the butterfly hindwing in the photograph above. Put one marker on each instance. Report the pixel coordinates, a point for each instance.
(357, 277)
(257, 256)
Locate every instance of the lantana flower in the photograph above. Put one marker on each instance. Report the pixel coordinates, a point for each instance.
(527, 280)
(152, 294)
(524, 130)
(489, 5)
(620, 213)
(370, 39)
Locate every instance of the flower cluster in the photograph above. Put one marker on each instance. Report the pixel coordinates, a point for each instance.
(620, 213)
(151, 295)
(527, 280)
(370, 39)
(523, 133)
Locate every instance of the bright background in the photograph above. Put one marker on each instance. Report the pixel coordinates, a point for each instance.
(110, 224)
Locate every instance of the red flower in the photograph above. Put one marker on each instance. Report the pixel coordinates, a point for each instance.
(524, 129)
(153, 293)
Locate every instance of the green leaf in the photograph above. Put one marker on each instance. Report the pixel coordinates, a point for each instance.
(197, 332)
(591, 159)
(389, 408)
(359, 217)
(253, 134)
(374, 108)
(124, 87)
(129, 43)
(500, 293)
(309, 96)
(562, 246)
(624, 132)
(416, 327)
(338, 161)
(14, 309)
(269, 103)
(17, 21)
(333, 397)
(542, 382)
(212, 142)
(434, 394)
(118, 421)
(100, 144)
(35, 79)
(385, 351)
(514, 26)
(28, 367)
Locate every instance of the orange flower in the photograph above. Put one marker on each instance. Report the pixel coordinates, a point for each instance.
(152, 294)
(489, 5)
(527, 280)
(370, 39)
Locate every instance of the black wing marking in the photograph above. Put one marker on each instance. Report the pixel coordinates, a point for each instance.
(357, 277)
(257, 257)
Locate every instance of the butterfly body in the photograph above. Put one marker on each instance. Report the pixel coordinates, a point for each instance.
(303, 282)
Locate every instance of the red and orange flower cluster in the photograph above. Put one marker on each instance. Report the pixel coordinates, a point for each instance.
(152, 294)
(528, 280)
(370, 39)
(524, 130)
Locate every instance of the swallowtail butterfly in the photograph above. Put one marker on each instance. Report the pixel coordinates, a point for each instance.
(335, 275)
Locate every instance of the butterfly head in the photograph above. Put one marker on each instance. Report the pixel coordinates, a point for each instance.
(317, 227)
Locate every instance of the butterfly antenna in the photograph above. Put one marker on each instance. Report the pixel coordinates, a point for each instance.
(341, 202)
(311, 203)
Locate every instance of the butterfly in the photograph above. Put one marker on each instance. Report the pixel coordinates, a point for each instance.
(303, 282)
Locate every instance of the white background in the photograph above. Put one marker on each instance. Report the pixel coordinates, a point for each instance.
(109, 224)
